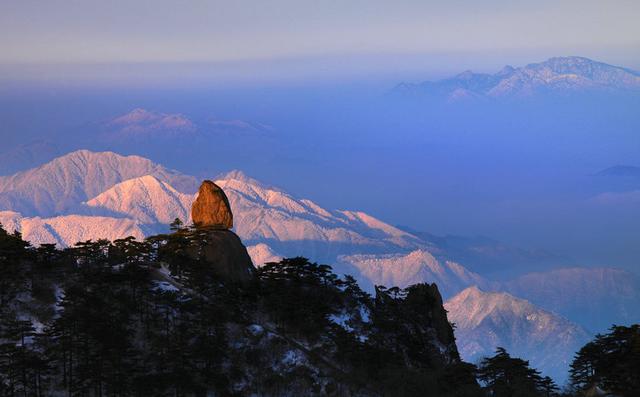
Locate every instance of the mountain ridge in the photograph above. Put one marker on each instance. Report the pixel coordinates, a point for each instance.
(64, 182)
(555, 75)
(403, 270)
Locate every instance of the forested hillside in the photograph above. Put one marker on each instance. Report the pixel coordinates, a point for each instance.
(150, 318)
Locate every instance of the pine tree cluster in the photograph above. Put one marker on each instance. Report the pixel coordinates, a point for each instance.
(131, 318)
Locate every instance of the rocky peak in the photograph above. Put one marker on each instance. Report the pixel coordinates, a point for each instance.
(211, 208)
(222, 248)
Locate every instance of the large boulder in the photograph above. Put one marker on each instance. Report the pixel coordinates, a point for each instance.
(216, 244)
(228, 257)
(211, 208)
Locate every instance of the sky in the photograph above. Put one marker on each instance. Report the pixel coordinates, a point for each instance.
(299, 39)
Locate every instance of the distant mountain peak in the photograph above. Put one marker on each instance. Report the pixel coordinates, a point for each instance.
(142, 122)
(555, 75)
(506, 70)
(135, 116)
(239, 175)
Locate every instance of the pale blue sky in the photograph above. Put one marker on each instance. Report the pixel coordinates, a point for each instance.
(179, 31)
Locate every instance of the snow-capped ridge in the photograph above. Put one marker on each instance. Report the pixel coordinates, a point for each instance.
(403, 270)
(145, 199)
(60, 185)
(262, 253)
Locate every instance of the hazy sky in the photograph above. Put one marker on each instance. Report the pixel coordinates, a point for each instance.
(491, 32)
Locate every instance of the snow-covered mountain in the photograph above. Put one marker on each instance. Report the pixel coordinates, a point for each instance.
(150, 196)
(272, 222)
(557, 75)
(594, 297)
(262, 214)
(486, 320)
(59, 186)
(262, 253)
(293, 226)
(67, 230)
(403, 270)
(146, 200)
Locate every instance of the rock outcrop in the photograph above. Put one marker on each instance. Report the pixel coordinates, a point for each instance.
(222, 248)
(211, 209)
(227, 255)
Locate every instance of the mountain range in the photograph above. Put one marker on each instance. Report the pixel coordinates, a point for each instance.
(555, 75)
(60, 185)
(86, 195)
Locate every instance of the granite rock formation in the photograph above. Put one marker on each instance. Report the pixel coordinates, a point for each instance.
(211, 209)
(222, 248)
(228, 256)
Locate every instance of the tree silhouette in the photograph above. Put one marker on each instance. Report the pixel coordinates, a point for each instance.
(611, 361)
(507, 376)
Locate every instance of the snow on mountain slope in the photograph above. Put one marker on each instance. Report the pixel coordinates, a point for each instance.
(261, 215)
(109, 185)
(10, 220)
(594, 297)
(145, 199)
(301, 227)
(486, 320)
(68, 230)
(63, 183)
(403, 270)
(262, 253)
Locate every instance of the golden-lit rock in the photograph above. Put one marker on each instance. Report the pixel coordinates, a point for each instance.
(211, 208)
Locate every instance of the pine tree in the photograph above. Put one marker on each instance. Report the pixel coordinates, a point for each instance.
(611, 361)
(548, 387)
(506, 376)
